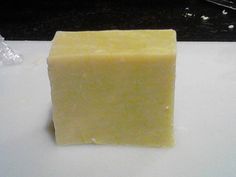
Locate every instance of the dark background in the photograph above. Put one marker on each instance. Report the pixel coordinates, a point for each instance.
(39, 20)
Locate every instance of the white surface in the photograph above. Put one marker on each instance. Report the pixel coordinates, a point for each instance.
(205, 122)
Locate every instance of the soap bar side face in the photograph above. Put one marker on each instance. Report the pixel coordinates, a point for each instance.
(113, 99)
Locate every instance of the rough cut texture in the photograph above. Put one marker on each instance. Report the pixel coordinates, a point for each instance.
(113, 87)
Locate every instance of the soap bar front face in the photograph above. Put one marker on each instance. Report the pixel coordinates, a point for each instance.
(113, 94)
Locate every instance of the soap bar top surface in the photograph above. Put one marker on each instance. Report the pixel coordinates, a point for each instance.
(114, 42)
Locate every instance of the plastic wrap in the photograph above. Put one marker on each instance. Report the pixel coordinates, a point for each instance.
(225, 3)
(7, 55)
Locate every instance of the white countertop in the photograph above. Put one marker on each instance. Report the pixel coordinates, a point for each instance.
(205, 122)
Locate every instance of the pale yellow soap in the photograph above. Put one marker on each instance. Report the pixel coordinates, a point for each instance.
(113, 87)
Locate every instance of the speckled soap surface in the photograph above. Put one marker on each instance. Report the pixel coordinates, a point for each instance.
(113, 87)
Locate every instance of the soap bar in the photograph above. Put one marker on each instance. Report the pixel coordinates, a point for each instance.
(113, 87)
